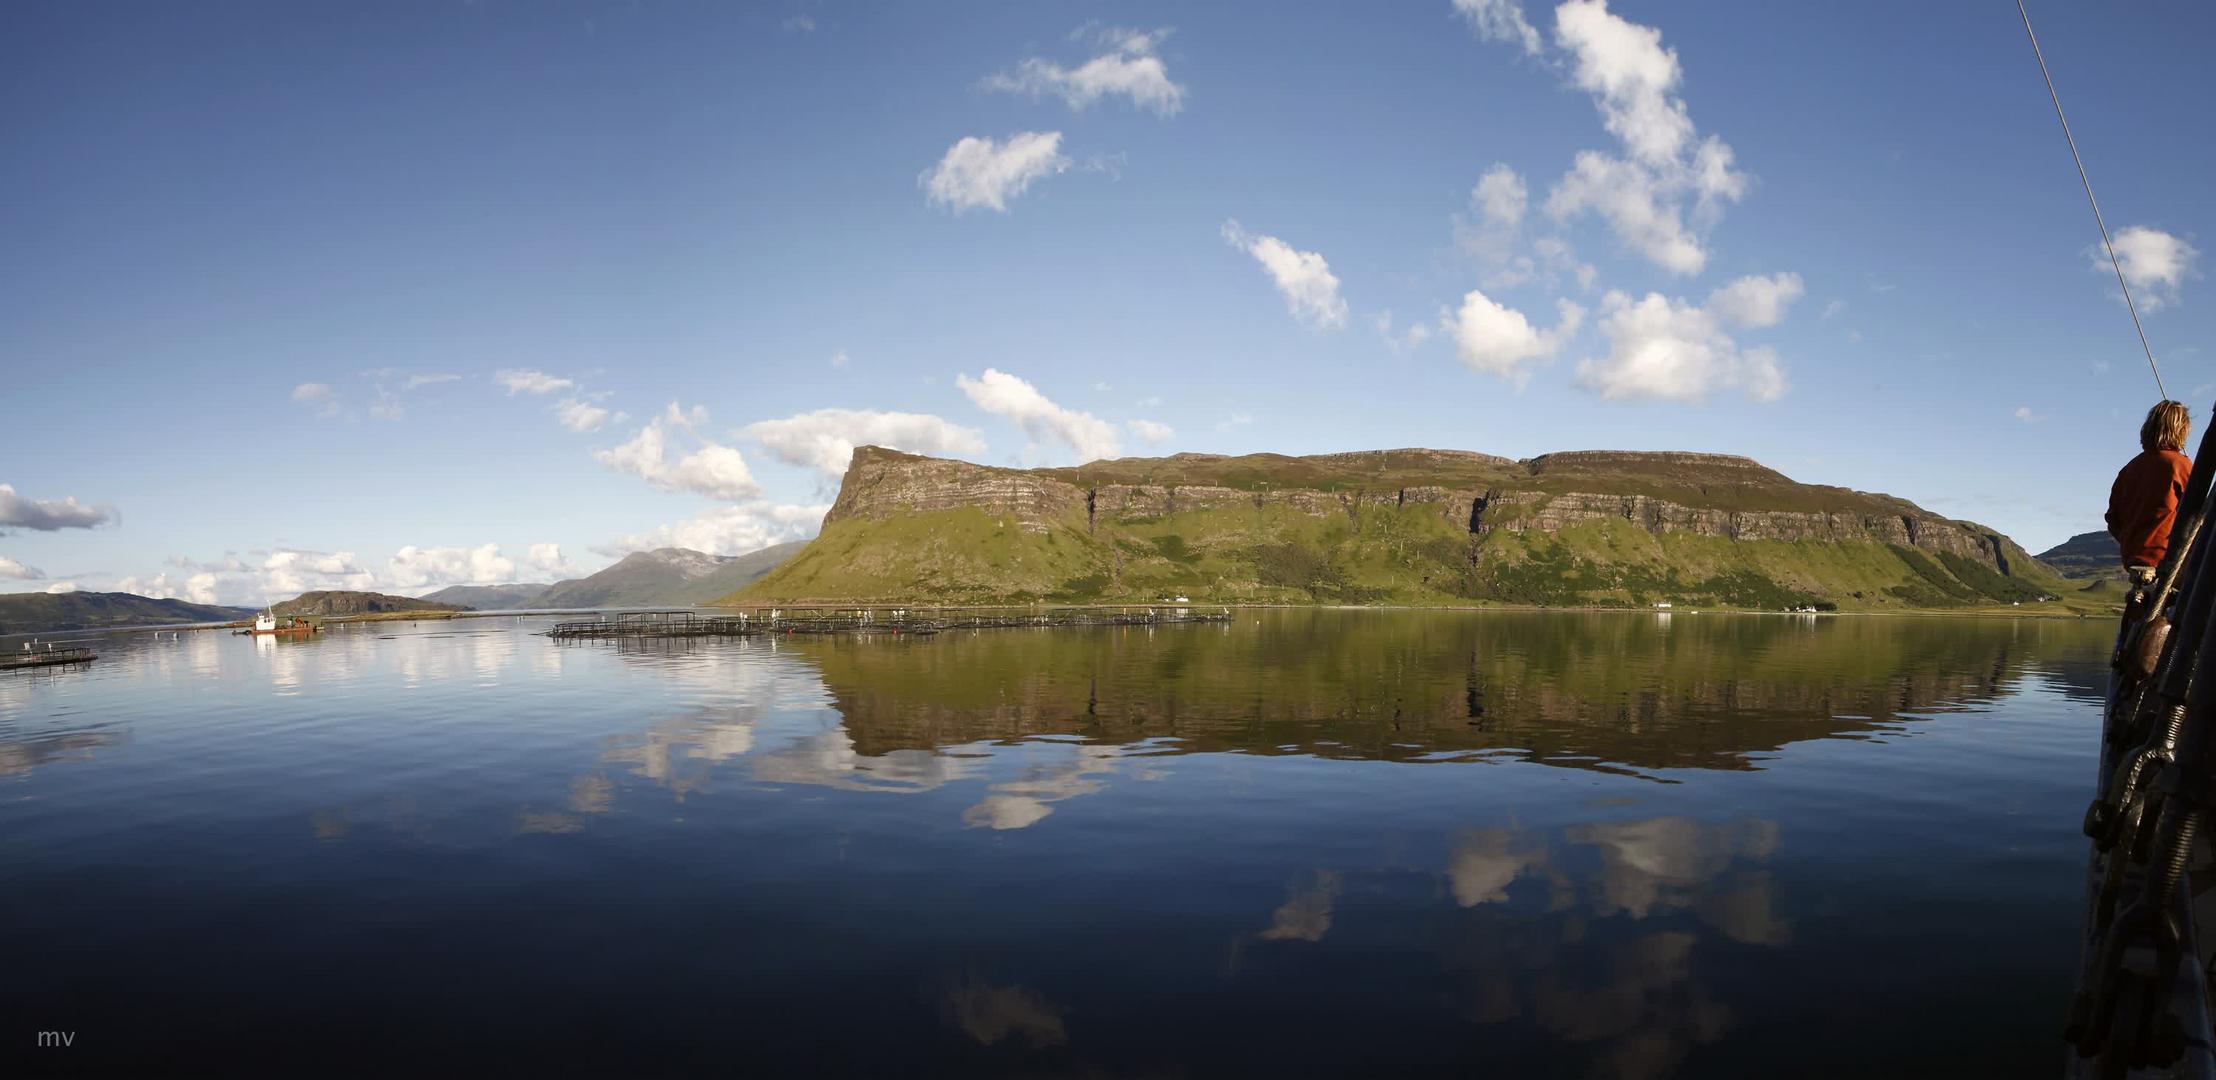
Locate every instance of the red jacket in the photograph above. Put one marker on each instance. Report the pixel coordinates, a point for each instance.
(2143, 503)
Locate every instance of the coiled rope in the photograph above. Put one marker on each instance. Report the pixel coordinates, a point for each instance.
(2113, 262)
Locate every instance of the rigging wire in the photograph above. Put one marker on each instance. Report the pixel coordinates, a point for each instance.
(2113, 262)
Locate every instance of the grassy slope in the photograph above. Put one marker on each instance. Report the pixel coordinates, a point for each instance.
(31, 613)
(1403, 555)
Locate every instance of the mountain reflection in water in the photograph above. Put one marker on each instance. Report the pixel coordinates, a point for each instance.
(1311, 842)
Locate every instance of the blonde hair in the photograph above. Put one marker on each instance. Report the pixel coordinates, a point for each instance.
(2166, 428)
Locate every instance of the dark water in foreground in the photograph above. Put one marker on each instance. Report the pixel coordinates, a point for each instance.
(1311, 843)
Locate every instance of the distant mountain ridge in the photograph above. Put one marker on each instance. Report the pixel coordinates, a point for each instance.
(671, 576)
(2086, 555)
(490, 597)
(664, 577)
(344, 602)
(38, 613)
(1412, 526)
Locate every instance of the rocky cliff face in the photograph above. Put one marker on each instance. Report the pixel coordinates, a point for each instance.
(1712, 495)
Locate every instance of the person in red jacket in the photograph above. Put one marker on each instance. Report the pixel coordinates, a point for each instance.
(2143, 503)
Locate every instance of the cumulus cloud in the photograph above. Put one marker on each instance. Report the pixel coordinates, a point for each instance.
(424, 568)
(61, 587)
(528, 381)
(2155, 263)
(714, 470)
(9, 568)
(839, 359)
(1500, 20)
(824, 440)
(725, 530)
(1002, 394)
(196, 589)
(48, 515)
(1399, 340)
(290, 572)
(317, 396)
(1500, 196)
(577, 414)
(1672, 350)
(1150, 432)
(981, 173)
(548, 559)
(1643, 195)
(2024, 413)
(1498, 340)
(1311, 290)
(1130, 68)
(1756, 301)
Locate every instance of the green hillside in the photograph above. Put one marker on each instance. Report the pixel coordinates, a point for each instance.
(38, 613)
(344, 602)
(1047, 546)
(1398, 555)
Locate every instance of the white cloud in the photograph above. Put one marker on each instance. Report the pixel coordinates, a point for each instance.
(824, 440)
(1672, 350)
(2024, 413)
(1497, 340)
(726, 530)
(1756, 301)
(1150, 432)
(527, 381)
(1500, 20)
(1500, 196)
(1130, 68)
(839, 359)
(423, 569)
(1633, 79)
(428, 379)
(1002, 394)
(1234, 421)
(318, 396)
(60, 587)
(9, 568)
(714, 470)
(578, 414)
(1398, 341)
(289, 572)
(2154, 262)
(548, 559)
(49, 515)
(1311, 291)
(1833, 308)
(978, 172)
(798, 24)
(1638, 206)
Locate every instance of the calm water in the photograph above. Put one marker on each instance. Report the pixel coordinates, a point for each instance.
(1311, 843)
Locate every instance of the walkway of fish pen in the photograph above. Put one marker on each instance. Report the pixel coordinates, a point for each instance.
(49, 656)
(671, 624)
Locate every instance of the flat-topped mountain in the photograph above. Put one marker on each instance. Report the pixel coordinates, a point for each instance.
(1400, 526)
(38, 613)
(348, 602)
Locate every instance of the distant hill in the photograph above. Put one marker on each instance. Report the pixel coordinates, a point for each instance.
(667, 577)
(1413, 526)
(339, 602)
(38, 613)
(490, 597)
(2086, 555)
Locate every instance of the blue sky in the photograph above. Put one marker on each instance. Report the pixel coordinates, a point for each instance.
(417, 294)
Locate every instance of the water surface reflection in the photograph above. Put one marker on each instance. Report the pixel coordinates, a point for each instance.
(1349, 843)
